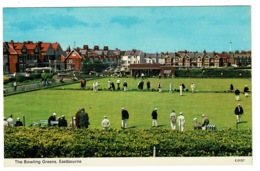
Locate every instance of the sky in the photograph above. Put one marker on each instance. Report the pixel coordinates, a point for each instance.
(151, 29)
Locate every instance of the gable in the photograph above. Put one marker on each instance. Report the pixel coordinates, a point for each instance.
(73, 55)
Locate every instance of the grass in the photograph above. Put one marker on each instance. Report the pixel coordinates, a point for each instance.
(219, 107)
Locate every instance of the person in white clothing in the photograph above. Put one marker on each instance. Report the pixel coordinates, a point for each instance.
(173, 120)
(181, 122)
(170, 87)
(73, 123)
(10, 121)
(94, 86)
(181, 90)
(105, 123)
(192, 87)
(5, 122)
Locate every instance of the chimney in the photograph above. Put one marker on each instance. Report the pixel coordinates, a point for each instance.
(85, 47)
(96, 47)
(105, 47)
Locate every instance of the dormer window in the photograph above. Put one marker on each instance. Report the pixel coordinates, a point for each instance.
(24, 50)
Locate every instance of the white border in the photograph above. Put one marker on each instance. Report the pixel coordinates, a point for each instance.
(160, 161)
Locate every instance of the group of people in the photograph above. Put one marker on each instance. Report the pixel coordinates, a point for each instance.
(111, 85)
(140, 86)
(237, 91)
(60, 121)
(239, 111)
(11, 123)
(80, 120)
(180, 121)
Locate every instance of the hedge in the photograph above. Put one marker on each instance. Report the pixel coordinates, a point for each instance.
(214, 73)
(52, 142)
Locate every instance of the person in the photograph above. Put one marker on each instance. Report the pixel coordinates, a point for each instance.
(160, 87)
(205, 122)
(148, 84)
(125, 86)
(74, 78)
(83, 84)
(73, 123)
(183, 86)
(18, 122)
(125, 117)
(181, 122)
(118, 84)
(5, 122)
(109, 84)
(15, 85)
(63, 122)
(192, 87)
(52, 118)
(105, 123)
(141, 85)
(154, 117)
(181, 90)
(246, 90)
(77, 118)
(237, 92)
(173, 120)
(197, 125)
(83, 119)
(142, 75)
(170, 87)
(10, 121)
(231, 87)
(113, 86)
(95, 86)
(239, 112)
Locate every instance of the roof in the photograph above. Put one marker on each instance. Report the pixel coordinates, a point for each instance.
(45, 47)
(55, 45)
(74, 51)
(133, 53)
(11, 50)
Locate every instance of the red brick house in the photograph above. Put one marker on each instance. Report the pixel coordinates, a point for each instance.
(21, 55)
(73, 60)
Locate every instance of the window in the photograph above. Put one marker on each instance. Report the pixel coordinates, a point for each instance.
(24, 50)
(70, 61)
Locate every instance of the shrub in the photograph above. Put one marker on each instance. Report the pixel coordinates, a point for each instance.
(20, 77)
(46, 75)
(64, 142)
(6, 79)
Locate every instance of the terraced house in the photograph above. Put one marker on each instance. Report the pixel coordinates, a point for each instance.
(105, 55)
(21, 55)
(17, 56)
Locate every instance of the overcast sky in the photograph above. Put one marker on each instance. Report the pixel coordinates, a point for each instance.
(151, 29)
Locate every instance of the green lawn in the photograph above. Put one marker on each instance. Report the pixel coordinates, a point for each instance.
(219, 107)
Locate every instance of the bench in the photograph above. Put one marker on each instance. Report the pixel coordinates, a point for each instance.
(211, 127)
